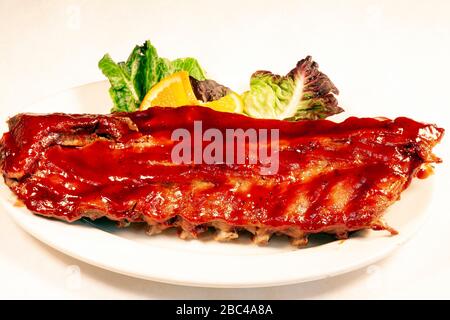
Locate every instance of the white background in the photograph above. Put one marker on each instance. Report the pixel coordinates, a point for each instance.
(387, 58)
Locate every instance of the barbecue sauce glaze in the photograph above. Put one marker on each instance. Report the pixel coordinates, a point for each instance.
(331, 176)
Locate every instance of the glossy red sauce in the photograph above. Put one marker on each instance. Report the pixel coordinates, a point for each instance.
(123, 168)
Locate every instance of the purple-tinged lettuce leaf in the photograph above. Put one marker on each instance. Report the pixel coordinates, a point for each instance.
(304, 93)
(208, 90)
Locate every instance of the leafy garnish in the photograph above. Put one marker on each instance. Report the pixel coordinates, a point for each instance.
(190, 65)
(208, 90)
(131, 80)
(304, 93)
(124, 92)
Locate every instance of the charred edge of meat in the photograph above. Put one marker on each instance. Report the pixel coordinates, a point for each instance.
(224, 232)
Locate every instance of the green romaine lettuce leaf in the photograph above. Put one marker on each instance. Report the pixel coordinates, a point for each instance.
(131, 80)
(190, 65)
(124, 93)
(304, 93)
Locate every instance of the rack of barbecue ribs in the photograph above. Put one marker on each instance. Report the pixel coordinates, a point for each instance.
(330, 177)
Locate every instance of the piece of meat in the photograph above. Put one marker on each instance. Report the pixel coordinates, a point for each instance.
(331, 177)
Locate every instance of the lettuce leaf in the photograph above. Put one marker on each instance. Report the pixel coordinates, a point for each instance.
(131, 80)
(304, 93)
(190, 65)
(208, 90)
(123, 91)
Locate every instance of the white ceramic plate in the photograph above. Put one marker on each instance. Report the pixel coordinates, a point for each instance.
(207, 263)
